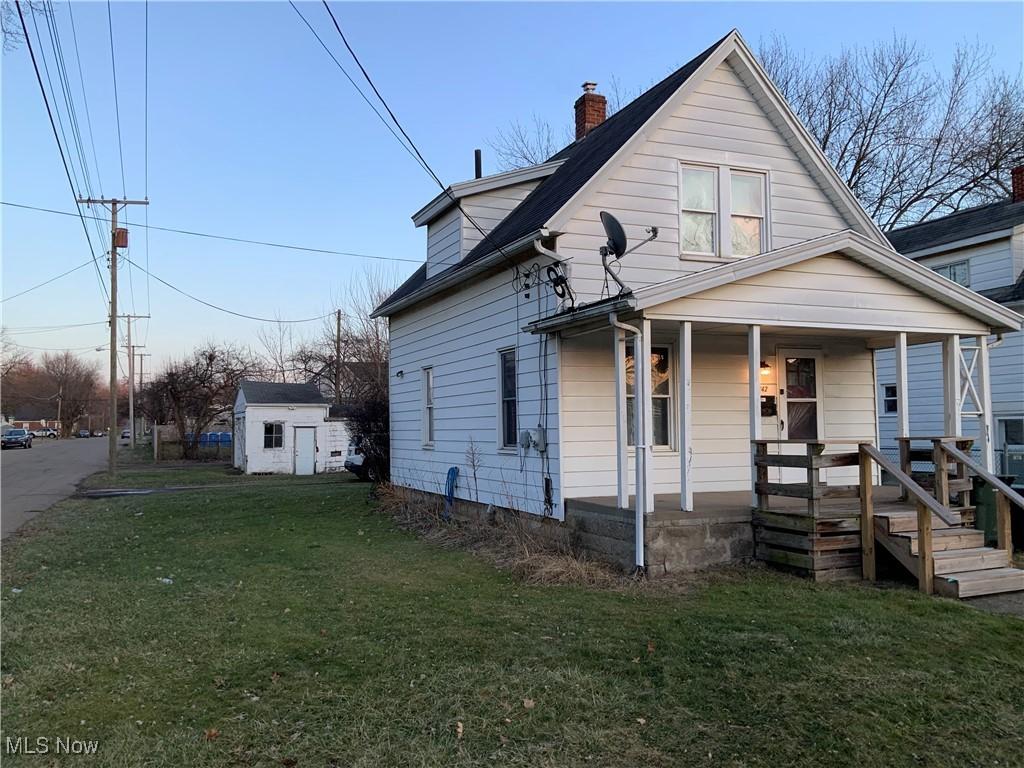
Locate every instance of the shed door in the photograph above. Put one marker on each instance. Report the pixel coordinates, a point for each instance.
(305, 450)
(801, 408)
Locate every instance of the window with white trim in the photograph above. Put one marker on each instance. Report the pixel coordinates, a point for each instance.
(428, 406)
(273, 434)
(958, 272)
(507, 398)
(699, 210)
(890, 401)
(723, 211)
(661, 396)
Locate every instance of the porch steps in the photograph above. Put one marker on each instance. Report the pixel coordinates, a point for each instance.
(963, 565)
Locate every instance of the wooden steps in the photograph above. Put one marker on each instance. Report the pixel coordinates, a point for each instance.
(963, 565)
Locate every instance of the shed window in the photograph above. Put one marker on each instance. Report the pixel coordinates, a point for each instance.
(273, 434)
(507, 392)
(428, 406)
(889, 399)
(958, 272)
(661, 396)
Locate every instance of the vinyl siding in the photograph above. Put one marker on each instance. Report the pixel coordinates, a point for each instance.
(444, 242)
(721, 123)
(459, 335)
(488, 209)
(991, 264)
(924, 372)
(828, 290)
(721, 444)
(282, 460)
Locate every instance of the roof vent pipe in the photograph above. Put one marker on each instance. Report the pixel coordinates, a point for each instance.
(478, 164)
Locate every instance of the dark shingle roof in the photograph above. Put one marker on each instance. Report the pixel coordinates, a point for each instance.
(957, 226)
(281, 394)
(1006, 294)
(581, 160)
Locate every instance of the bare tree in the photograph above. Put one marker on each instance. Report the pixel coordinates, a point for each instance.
(279, 348)
(910, 142)
(202, 386)
(520, 145)
(73, 382)
(11, 24)
(12, 357)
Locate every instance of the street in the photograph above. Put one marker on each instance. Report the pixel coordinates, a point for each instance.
(34, 479)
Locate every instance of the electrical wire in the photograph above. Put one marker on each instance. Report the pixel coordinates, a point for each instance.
(117, 107)
(60, 148)
(149, 302)
(47, 282)
(19, 331)
(223, 309)
(191, 233)
(85, 100)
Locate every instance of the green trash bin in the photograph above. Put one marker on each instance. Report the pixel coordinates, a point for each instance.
(985, 510)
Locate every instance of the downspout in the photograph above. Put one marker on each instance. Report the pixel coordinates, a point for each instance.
(640, 449)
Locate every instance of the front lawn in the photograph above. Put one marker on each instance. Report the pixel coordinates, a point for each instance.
(287, 624)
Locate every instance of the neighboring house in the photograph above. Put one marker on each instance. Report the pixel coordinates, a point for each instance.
(982, 249)
(759, 305)
(286, 429)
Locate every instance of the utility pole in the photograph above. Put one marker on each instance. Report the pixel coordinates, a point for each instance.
(337, 356)
(118, 238)
(131, 375)
(140, 356)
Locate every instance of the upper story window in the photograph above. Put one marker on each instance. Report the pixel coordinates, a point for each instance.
(723, 211)
(958, 272)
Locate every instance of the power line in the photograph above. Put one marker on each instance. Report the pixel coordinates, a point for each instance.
(145, 112)
(56, 138)
(344, 71)
(29, 329)
(117, 108)
(47, 282)
(191, 233)
(95, 347)
(224, 309)
(85, 100)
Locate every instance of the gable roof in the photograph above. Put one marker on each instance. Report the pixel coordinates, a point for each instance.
(271, 392)
(583, 160)
(851, 244)
(962, 225)
(1007, 294)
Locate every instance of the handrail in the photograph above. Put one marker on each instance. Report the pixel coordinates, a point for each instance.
(910, 485)
(984, 474)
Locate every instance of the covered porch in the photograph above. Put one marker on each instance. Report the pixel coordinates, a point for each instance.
(752, 364)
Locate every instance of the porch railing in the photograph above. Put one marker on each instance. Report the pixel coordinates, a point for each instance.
(812, 459)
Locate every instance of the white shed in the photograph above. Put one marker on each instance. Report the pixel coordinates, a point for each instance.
(286, 429)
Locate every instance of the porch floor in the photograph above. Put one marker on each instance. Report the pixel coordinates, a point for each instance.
(732, 506)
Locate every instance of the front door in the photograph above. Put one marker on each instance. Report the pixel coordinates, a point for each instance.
(305, 450)
(801, 409)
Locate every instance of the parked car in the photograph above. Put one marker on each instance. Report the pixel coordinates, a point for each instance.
(126, 434)
(83, 433)
(355, 461)
(16, 438)
(49, 432)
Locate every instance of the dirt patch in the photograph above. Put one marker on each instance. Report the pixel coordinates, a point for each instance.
(1007, 604)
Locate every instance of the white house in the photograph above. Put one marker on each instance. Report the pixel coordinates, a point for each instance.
(759, 303)
(982, 249)
(286, 429)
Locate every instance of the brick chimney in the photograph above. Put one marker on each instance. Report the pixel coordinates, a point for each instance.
(591, 109)
(1016, 175)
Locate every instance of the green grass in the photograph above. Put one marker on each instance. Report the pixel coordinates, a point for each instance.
(197, 473)
(303, 627)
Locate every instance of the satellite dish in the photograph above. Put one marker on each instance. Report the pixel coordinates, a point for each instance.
(616, 235)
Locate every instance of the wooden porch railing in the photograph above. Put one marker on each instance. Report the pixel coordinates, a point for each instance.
(926, 506)
(812, 460)
(1004, 494)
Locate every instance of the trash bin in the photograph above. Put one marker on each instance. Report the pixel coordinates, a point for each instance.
(984, 497)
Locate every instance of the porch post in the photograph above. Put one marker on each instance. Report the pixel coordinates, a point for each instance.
(951, 385)
(686, 416)
(621, 429)
(986, 427)
(754, 379)
(644, 363)
(902, 387)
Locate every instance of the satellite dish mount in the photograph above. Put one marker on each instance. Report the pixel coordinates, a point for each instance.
(617, 245)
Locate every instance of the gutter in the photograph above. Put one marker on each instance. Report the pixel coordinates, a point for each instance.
(640, 490)
(460, 273)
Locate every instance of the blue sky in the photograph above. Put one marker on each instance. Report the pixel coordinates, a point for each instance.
(254, 133)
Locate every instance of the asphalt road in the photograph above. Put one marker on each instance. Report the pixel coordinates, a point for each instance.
(32, 480)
